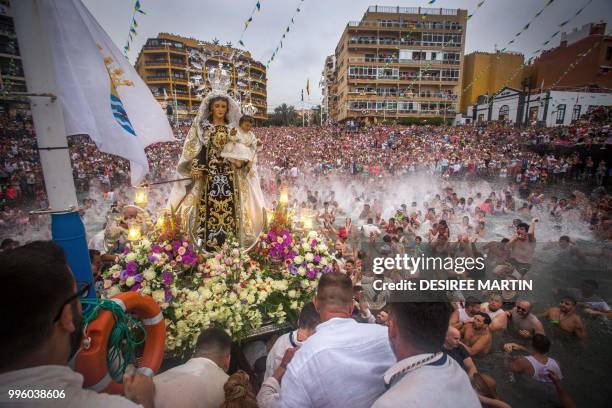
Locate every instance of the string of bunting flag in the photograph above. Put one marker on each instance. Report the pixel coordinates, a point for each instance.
(285, 32)
(510, 42)
(548, 40)
(256, 8)
(133, 25)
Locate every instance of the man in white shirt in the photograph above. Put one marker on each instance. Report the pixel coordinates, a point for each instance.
(342, 364)
(423, 376)
(199, 382)
(307, 324)
(40, 337)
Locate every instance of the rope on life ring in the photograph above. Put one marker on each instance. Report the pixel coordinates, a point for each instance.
(112, 326)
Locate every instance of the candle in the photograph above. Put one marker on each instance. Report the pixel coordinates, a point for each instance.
(307, 221)
(284, 197)
(270, 216)
(134, 232)
(141, 197)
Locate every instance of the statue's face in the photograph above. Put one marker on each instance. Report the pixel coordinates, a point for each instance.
(219, 109)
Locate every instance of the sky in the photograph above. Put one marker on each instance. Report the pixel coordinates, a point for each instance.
(319, 25)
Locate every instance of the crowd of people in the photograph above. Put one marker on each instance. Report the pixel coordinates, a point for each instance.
(375, 192)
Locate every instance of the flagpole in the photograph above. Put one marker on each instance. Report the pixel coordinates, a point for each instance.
(67, 228)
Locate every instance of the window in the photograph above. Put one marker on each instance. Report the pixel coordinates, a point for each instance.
(609, 53)
(481, 117)
(576, 113)
(504, 113)
(560, 114)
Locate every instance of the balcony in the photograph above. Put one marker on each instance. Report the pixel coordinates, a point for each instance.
(373, 42)
(406, 25)
(395, 60)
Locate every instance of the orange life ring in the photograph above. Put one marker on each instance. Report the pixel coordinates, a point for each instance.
(91, 359)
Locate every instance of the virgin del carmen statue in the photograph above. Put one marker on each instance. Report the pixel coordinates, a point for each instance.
(222, 196)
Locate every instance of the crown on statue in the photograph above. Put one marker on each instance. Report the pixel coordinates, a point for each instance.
(219, 78)
(249, 109)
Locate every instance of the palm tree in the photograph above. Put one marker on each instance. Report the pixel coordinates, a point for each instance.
(215, 41)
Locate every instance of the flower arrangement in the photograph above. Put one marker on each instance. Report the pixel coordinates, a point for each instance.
(228, 289)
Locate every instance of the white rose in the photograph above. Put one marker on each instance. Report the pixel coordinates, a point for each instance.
(130, 281)
(130, 257)
(193, 296)
(145, 291)
(324, 261)
(306, 246)
(113, 291)
(321, 247)
(145, 244)
(293, 305)
(291, 293)
(149, 274)
(251, 299)
(309, 257)
(232, 298)
(159, 296)
(301, 271)
(298, 260)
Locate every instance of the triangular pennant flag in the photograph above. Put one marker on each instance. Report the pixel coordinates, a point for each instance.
(431, 1)
(258, 5)
(298, 10)
(132, 30)
(240, 42)
(130, 36)
(134, 22)
(137, 7)
(250, 19)
(564, 23)
(281, 44)
(548, 3)
(480, 4)
(536, 51)
(546, 42)
(470, 16)
(511, 42)
(538, 13)
(526, 26)
(287, 28)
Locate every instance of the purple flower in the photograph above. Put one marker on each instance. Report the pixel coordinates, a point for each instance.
(311, 274)
(153, 259)
(166, 278)
(176, 245)
(317, 259)
(243, 301)
(293, 270)
(123, 275)
(131, 268)
(156, 249)
(136, 287)
(328, 269)
(167, 295)
(314, 243)
(139, 277)
(126, 250)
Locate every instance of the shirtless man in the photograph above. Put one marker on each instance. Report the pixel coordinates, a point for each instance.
(499, 319)
(522, 248)
(566, 318)
(465, 314)
(523, 322)
(476, 335)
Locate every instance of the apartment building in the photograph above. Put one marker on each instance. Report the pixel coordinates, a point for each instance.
(163, 63)
(400, 62)
(12, 79)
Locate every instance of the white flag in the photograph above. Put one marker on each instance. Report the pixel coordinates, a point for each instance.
(101, 93)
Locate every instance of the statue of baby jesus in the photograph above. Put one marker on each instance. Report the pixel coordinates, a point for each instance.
(242, 146)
